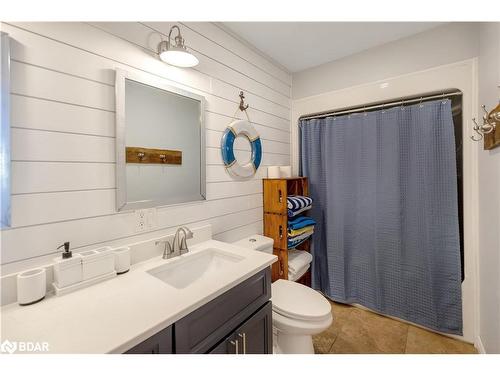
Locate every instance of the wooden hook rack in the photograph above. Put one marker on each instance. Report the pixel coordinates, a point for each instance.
(144, 155)
(492, 140)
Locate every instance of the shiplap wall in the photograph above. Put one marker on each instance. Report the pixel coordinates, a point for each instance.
(63, 135)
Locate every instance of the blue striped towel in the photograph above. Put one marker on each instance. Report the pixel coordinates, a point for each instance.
(297, 204)
(296, 241)
(300, 222)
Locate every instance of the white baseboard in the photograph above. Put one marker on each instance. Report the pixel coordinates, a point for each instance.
(478, 344)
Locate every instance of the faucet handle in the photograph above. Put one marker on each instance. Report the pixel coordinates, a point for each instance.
(189, 233)
(167, 251)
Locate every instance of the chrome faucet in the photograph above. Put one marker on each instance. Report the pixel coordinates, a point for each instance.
(178, 246)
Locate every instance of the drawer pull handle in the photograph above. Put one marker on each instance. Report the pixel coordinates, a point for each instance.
(235, 343)
(282, 269)
(280, 196)
(244, 337)
(281, 232)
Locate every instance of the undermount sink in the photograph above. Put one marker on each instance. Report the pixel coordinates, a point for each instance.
(194, 268)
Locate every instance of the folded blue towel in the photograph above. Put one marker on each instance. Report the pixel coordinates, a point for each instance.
(297, 204)
(300, 222)
(294, 243)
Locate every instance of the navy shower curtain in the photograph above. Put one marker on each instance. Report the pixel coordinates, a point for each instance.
(384, 187)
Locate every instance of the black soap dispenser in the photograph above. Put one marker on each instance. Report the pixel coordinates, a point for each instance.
(67, 253)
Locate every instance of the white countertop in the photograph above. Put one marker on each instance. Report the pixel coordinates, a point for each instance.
(117, 314)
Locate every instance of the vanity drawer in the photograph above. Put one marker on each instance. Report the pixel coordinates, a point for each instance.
(204, 328)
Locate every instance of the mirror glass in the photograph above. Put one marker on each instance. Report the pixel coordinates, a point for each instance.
(4, 130)
(160, 148)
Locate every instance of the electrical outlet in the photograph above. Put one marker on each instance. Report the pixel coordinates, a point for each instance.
(151, 218)
(140, 216)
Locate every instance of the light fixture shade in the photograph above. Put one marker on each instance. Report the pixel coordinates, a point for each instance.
(179, 57)
(176, 54)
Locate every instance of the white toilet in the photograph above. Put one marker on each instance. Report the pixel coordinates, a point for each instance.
(298, 311)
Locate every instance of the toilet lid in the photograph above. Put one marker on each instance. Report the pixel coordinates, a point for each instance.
(298, 301)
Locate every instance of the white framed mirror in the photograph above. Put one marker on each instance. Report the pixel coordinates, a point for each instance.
(5, 219)
(160, 143)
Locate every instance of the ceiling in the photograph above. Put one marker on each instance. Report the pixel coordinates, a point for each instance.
(301, 45)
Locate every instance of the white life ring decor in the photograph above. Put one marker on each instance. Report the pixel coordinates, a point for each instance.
(236, 128)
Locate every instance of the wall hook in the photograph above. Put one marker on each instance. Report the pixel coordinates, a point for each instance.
(243, 106)
(476, 129)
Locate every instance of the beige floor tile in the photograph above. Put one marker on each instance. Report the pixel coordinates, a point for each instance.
(421, 341)
(355, 330)
(324, 341)
(366, 332)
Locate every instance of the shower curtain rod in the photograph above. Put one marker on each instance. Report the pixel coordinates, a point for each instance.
(382, 105)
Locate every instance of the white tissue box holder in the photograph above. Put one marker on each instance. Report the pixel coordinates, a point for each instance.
(97, 262)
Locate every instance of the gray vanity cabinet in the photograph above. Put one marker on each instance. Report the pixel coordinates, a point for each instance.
(239, 321)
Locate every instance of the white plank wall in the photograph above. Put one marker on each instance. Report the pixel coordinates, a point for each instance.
(63, 136)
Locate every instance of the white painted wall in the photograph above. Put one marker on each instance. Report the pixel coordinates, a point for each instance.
(63, 138)
(489, 195)
(439, 46)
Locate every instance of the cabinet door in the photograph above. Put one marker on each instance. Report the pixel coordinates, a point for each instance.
(230, 345)
(255, 336)
(160, 343)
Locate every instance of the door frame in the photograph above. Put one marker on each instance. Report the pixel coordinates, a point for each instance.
(461, 75)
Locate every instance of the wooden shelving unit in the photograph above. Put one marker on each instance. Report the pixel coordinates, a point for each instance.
(276, 192)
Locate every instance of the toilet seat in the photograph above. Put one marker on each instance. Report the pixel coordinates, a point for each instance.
(299, 302)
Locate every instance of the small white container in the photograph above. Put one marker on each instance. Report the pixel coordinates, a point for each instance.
(286, 171)
(122, 259)
(273, 172)
(67, 271)
(97, 262)
(31, 286)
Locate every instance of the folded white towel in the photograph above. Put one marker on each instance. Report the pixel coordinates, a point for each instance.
(294, 276)
(298, 259)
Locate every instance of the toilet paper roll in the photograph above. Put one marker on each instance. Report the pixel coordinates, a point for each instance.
(31, 286)
(286, 171)
(273, 172)
(122, 259)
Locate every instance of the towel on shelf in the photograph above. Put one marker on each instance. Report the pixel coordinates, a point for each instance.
(300, 237)
(300, 222)
(298, 259)
(297, 204)
(294, 276)
(298, 232)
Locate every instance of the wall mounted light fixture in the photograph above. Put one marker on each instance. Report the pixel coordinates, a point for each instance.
(176, 54)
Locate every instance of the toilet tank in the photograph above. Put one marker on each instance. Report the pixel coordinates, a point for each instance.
(257, 242)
